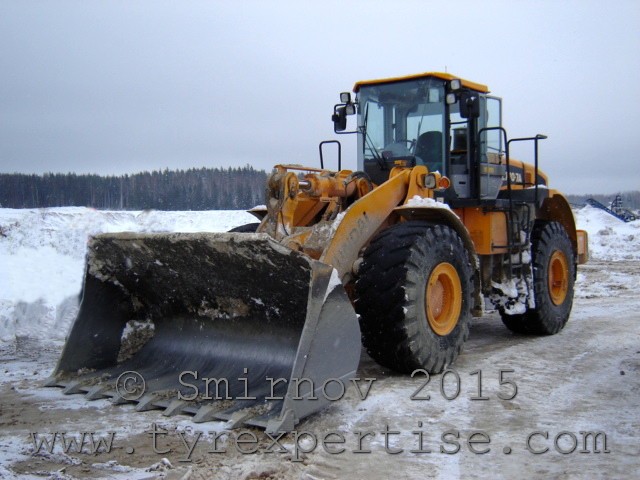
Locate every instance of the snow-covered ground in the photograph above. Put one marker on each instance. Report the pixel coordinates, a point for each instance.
(585, 378)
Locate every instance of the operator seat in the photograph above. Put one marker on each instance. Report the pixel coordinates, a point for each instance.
(429, 150)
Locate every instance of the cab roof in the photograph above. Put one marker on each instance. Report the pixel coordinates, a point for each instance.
(442, 76)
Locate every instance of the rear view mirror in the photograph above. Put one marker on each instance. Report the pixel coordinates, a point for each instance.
(339, 119)
(469, 105)
(341, 111)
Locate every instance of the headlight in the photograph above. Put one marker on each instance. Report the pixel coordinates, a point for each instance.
(455, 85)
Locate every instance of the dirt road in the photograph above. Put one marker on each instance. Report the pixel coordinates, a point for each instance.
(547, 406)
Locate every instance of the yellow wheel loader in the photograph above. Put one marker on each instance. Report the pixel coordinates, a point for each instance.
(263, 326)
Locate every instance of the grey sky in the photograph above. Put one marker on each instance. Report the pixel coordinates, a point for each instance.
(123, 86)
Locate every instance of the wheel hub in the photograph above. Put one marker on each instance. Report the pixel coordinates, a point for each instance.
(443, 299)
(558, 277)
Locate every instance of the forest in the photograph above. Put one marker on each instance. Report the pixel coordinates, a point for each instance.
(192, 189)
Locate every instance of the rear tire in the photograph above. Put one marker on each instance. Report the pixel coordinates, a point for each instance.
(414, 297)
(554, 272)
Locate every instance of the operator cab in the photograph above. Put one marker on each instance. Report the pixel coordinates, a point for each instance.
(430, 119)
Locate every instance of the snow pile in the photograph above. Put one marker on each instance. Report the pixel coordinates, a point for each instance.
(610, 239)
(42, 257)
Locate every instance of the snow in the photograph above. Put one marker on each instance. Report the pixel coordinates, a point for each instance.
(418, 201)
(610, 239)
(42, 255)
(334, 281)
(514, 296)
(336, 223)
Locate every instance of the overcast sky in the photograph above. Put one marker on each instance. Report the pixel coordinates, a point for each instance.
(122, 86)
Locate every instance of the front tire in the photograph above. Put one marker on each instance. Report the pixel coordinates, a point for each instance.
(414, 296)
(554, 273)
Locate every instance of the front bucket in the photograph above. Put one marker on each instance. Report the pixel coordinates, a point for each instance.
(223, 326)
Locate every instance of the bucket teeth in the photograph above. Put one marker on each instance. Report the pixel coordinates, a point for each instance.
(73, 387)
(174, 408)
(147, 403)
(239, 418)
(120, 400)
(236, 413)
(97, 392)
(205, 413)
(52, 381)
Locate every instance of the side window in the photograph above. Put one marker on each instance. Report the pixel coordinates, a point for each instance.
(494, 137)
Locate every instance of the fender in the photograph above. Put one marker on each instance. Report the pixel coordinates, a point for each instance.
(443, 215)
(556, 208)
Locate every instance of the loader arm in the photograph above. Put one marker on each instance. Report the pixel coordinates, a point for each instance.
(362, 220)
(338, 239)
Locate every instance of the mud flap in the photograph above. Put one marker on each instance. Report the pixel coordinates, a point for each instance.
(224, 326)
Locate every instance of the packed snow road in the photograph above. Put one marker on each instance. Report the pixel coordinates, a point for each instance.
(563, 406)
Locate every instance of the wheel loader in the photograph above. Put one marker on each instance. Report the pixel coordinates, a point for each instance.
(263, 326)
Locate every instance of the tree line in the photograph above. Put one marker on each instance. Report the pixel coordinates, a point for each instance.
(192, 189)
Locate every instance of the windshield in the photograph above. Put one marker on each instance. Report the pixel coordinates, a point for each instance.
(403, 120)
